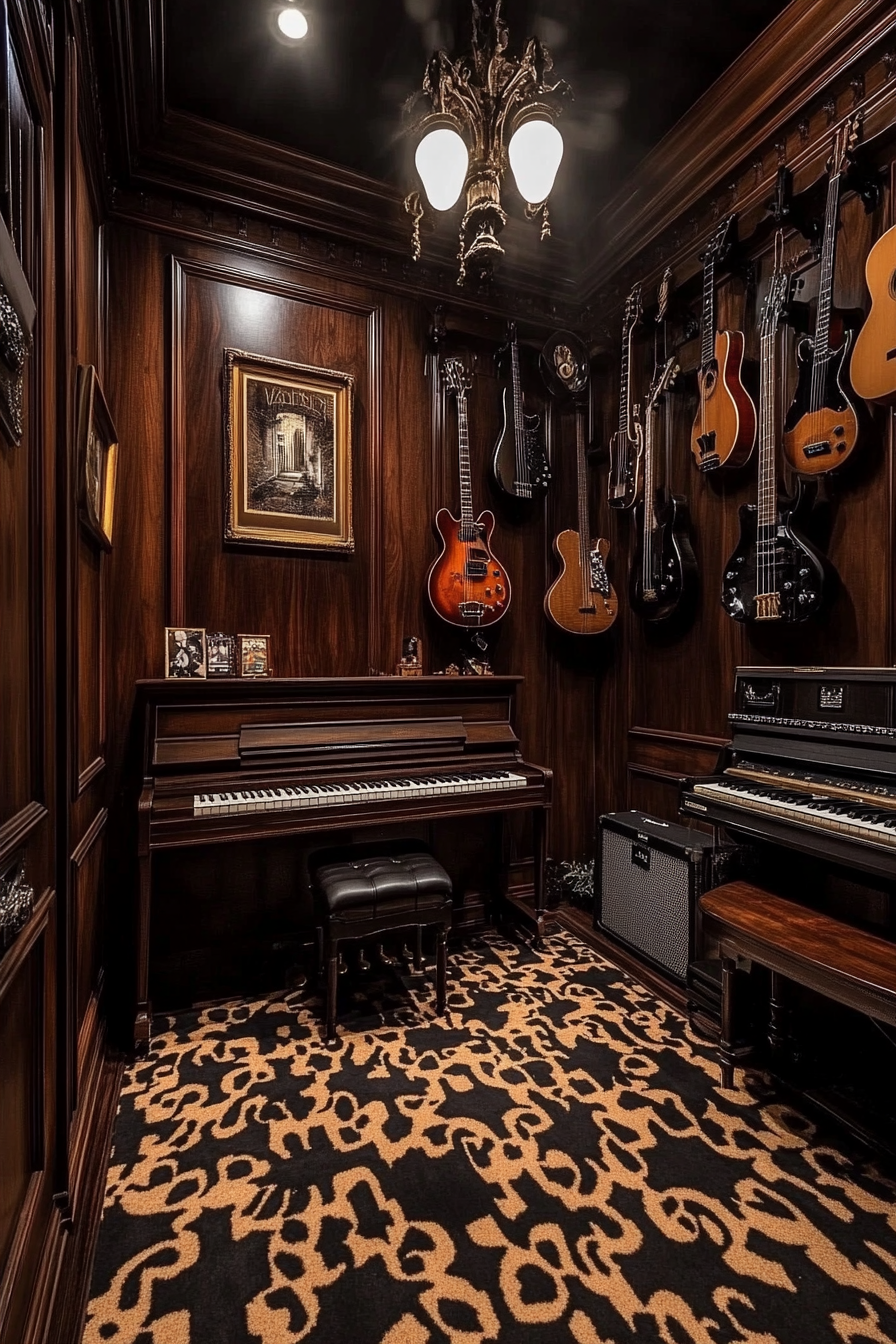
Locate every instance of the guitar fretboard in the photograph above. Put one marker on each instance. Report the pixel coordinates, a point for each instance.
(708, 320)
(468, 530)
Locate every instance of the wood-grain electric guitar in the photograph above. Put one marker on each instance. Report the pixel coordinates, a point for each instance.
(519, 463)
(664, 566)
(775, 574)
(725, 424)
(821, 427)
(627, 444)
(581, 600)
(872, 370)
(467, 586)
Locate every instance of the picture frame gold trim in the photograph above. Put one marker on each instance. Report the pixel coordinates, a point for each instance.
(291, 488)
(97, 445)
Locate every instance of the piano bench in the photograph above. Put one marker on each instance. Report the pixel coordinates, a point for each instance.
(836, 959)
(363, 891)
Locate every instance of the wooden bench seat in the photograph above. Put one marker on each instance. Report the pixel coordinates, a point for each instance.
(795, 943)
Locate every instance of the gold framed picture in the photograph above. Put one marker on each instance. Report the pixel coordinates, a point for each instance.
(185, 652)
(288, 454)
(97, 458)
(255, 655)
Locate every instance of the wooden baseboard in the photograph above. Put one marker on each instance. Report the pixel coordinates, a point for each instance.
(580, 923)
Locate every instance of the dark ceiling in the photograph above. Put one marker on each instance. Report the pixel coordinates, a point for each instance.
(635, 67)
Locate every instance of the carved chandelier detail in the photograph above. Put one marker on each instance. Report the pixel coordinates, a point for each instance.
(474, 103)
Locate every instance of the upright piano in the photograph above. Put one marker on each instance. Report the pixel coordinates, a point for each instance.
(811, 765)
(238, 760)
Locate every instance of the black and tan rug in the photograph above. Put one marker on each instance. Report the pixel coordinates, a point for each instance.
(552, 1162)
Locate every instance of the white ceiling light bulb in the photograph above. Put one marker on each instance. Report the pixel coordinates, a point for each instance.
(442, 162)
(535, 150)
(292, 23)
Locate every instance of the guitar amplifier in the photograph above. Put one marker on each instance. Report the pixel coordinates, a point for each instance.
(650, 873)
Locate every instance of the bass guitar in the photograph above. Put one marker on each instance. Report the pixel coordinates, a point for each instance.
(519, 463)
(725, 424)
(581, 600)
(627, 444)
(466, 585)
(821, 427)
(872, 370)
(775, 574)
(664, 566)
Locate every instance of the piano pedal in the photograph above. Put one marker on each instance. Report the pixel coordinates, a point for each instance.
(385, 958)
(363, 963)
(343, 965)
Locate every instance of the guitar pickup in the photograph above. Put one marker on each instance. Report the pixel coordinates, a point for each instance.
(471, 611)
(477, 569)
(817, 449)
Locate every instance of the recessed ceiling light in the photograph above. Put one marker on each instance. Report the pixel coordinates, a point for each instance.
(292, 23)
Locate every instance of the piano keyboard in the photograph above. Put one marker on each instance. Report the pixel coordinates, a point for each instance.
(403, 788)
(859, 821)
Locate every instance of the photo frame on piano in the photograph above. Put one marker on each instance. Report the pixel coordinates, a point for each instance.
(255, 655)
(221, 651)
(185, 653)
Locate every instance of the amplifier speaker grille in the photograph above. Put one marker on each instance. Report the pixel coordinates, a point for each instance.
(646, 899)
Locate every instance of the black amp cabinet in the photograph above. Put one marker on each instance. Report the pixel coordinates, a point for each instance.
(649, 875)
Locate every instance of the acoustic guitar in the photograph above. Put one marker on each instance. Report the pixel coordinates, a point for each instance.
(775, 574)
(581, 600)
(467, 586)
(821, 427)
(519, 463)
(872, 370)
(725, 424)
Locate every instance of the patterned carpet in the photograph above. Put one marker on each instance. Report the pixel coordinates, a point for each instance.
(553, 1162)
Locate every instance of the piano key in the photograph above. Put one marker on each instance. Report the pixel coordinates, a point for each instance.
(289, 797)
(823, 813)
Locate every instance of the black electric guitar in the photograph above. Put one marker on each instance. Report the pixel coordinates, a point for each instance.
(627, 444)
(664, 565)
(821, 427)
(775, 574)
(519, 463)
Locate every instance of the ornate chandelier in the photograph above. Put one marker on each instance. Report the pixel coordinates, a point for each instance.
(475, 102)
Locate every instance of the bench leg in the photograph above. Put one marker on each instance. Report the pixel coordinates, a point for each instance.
(418, 951)
(778, 1032)
(441, 968)
(332, 977)
(726, 1040)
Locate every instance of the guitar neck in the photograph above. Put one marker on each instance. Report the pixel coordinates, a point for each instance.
(767, 511)
(519, 441)
(625, 409)
(708, 319)
(826, 277)
(582, 486)
(463, 453)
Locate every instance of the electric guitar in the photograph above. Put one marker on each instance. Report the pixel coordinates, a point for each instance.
(664, 565)
(581, 600)
(775, 574)
(725, 424)
(821, 427)
(627, 444)
(872, 370)
(466, 584)
(519, 464)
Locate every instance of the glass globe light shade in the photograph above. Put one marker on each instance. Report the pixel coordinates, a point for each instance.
(535, 150)
(442, 162)
(292, 23)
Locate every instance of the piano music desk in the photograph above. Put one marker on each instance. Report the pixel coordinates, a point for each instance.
(838, 960)
(235, 760)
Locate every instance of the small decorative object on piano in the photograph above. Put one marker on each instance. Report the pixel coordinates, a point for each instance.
(255, 655)
(452, 670)
(221, 655)
(184, 652)
(476, 666)
(16, 903)
(411, 664)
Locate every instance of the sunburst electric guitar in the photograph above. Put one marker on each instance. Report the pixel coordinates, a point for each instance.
(467, 586)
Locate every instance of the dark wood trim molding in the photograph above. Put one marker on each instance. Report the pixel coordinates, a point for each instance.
(15, 832)
(681, 740)
(89, 774)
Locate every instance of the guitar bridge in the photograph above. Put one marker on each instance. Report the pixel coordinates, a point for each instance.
(471, 611)
(600, 582)
(707, 445)
(768, 607)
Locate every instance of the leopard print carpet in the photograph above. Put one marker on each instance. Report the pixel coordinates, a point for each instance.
(552, 1161)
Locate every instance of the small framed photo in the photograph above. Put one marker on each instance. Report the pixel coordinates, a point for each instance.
(255, 655)
(97, 458)
(221, 651)
(184, 652)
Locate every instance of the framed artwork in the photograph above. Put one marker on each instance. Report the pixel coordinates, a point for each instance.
(17, 314)
(221, 655)
(184, 652)
(97, 458)
(255, 655)
(288, 454)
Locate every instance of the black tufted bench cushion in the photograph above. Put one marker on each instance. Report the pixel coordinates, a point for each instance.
(366, 890)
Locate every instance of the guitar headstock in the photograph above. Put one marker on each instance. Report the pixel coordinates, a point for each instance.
(457, 376)
(721, 240)
(664, 379)
(662, 294)
(776, 299)
(846, 139)
(633, 310)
